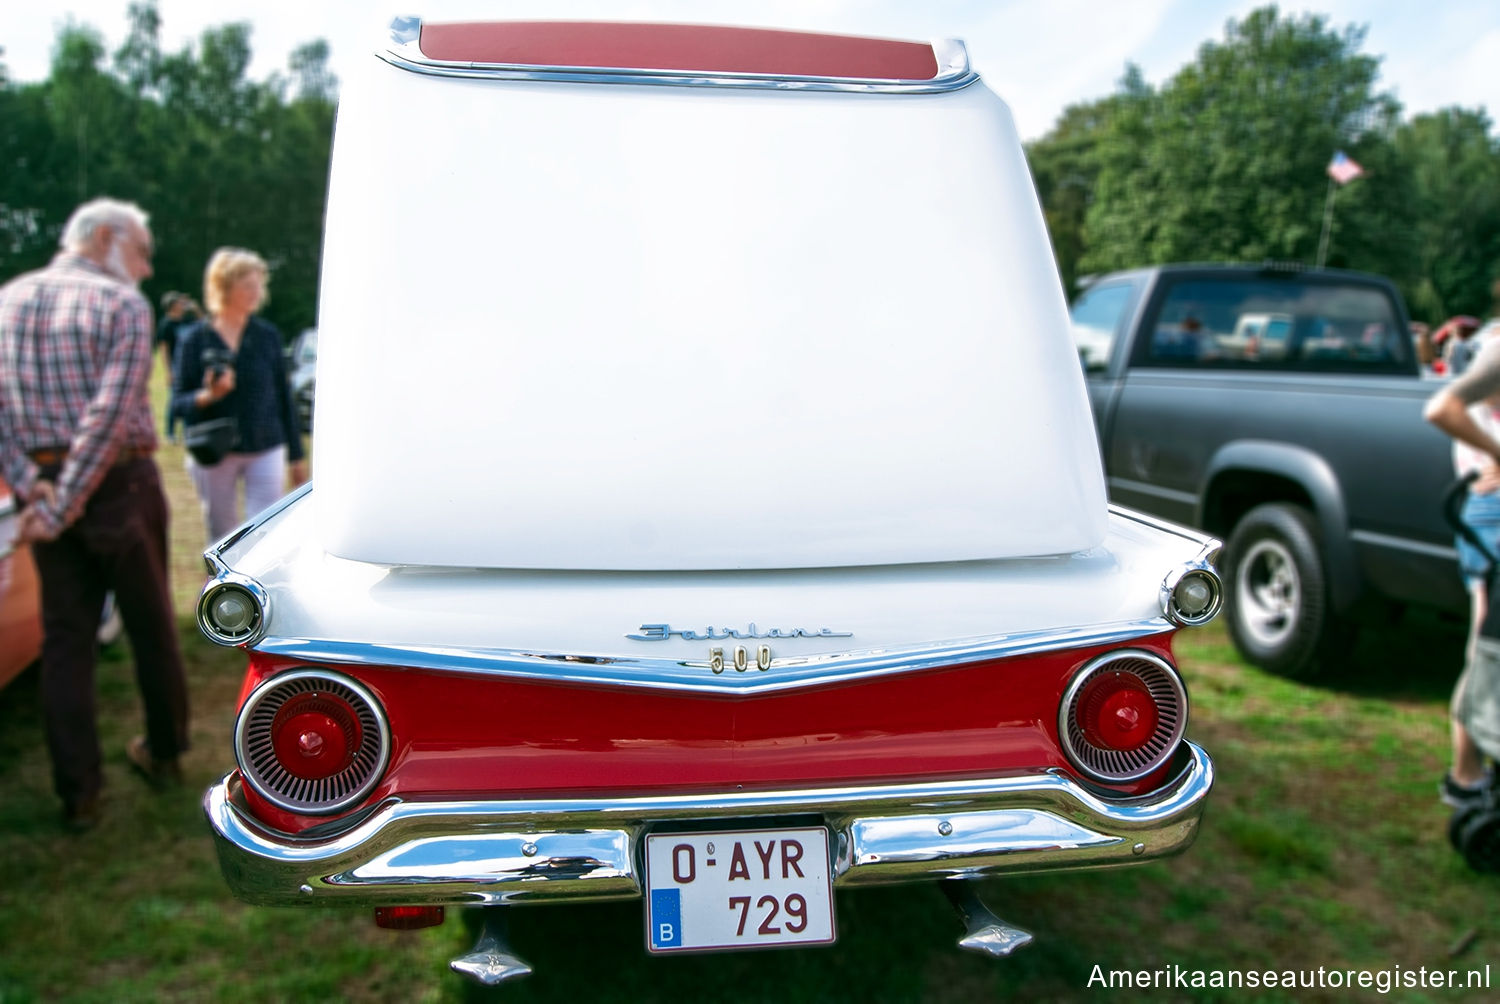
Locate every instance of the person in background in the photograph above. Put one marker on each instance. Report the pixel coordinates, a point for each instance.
(178, 313)
(1468, 409)
(76, 443)
(232, 365)
(1421, 341)
(1459, 346)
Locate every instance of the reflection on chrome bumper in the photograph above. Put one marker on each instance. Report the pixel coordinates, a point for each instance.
(559, 850)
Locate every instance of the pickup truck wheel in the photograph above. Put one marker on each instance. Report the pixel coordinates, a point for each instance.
(1279, 615)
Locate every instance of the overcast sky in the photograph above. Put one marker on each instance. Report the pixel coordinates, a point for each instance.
(1040, 55)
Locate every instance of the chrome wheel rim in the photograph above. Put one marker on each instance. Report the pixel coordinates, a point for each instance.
(1268, 593)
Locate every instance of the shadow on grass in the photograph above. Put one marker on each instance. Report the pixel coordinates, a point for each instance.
(1418, 656)
(1414, 657)
(894, 944)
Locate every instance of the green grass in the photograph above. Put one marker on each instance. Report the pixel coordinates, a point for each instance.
(1323, 845)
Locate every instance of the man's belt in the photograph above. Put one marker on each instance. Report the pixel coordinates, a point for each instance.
(54, 456)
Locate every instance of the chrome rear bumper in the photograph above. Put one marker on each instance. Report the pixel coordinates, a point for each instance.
(558, 850)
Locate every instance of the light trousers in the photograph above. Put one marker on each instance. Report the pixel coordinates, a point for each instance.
(264, 475)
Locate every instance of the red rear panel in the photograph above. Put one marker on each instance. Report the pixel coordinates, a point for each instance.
(691, 48)
(477, 737)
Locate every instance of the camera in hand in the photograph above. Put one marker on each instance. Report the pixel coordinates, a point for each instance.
(215, 360)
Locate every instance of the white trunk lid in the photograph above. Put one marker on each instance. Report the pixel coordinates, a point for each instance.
(629, 327)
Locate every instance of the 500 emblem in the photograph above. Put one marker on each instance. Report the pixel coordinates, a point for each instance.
(741, 659)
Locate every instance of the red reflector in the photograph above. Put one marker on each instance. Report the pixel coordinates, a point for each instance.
(408, 918)
(1117, 712)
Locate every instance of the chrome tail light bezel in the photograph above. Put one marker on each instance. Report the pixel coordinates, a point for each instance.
(1168, 694)
(254, 749)
(260, 600)
(1200, 569)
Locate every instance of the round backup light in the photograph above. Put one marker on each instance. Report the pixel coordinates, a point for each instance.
(232, 610)
(1192, 596)
(312, 741)
(1122, 715)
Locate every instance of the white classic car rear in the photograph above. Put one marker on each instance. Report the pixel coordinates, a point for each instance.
(708, 509)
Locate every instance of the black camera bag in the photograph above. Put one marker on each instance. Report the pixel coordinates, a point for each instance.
(211, 440)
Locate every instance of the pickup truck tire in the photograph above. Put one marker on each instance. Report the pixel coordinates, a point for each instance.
(1280, 618)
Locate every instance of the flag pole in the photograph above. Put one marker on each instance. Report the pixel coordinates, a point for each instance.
(1327, 222)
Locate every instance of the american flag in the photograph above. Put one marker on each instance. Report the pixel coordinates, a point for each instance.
(1342, 169)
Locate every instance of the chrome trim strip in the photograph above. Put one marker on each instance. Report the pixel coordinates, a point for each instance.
(403, 50)
(1156, 491)
(575, 849)
(695, 675)
(1136, 516)
(908, 839)
(214, 556)
(1403, 544)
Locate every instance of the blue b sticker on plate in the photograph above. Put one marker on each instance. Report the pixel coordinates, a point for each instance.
(666, 918)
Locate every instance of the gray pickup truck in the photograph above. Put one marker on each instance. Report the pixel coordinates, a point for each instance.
(1280, 410)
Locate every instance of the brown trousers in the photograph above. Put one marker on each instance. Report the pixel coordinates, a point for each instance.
(120, 544)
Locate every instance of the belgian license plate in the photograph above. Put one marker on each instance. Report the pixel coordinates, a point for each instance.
(743, 889)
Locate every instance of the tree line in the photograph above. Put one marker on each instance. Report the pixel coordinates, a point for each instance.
(214, 157)
(1225, 161)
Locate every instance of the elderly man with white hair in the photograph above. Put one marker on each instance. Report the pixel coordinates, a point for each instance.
(76, 443)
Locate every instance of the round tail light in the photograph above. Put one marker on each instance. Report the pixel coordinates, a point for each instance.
(1123, 715)
(312, 741)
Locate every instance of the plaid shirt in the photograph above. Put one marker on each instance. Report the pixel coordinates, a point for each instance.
(75, 357)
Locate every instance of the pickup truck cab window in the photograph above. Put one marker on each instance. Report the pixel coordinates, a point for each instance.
(1271, 323)
(1096, 316)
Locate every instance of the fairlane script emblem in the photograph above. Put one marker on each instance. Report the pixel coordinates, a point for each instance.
(664, 632)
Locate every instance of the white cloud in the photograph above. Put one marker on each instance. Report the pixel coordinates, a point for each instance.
(1469, 76)
(1013, 48)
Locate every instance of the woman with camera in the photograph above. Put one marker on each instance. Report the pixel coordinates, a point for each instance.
(230, 387)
